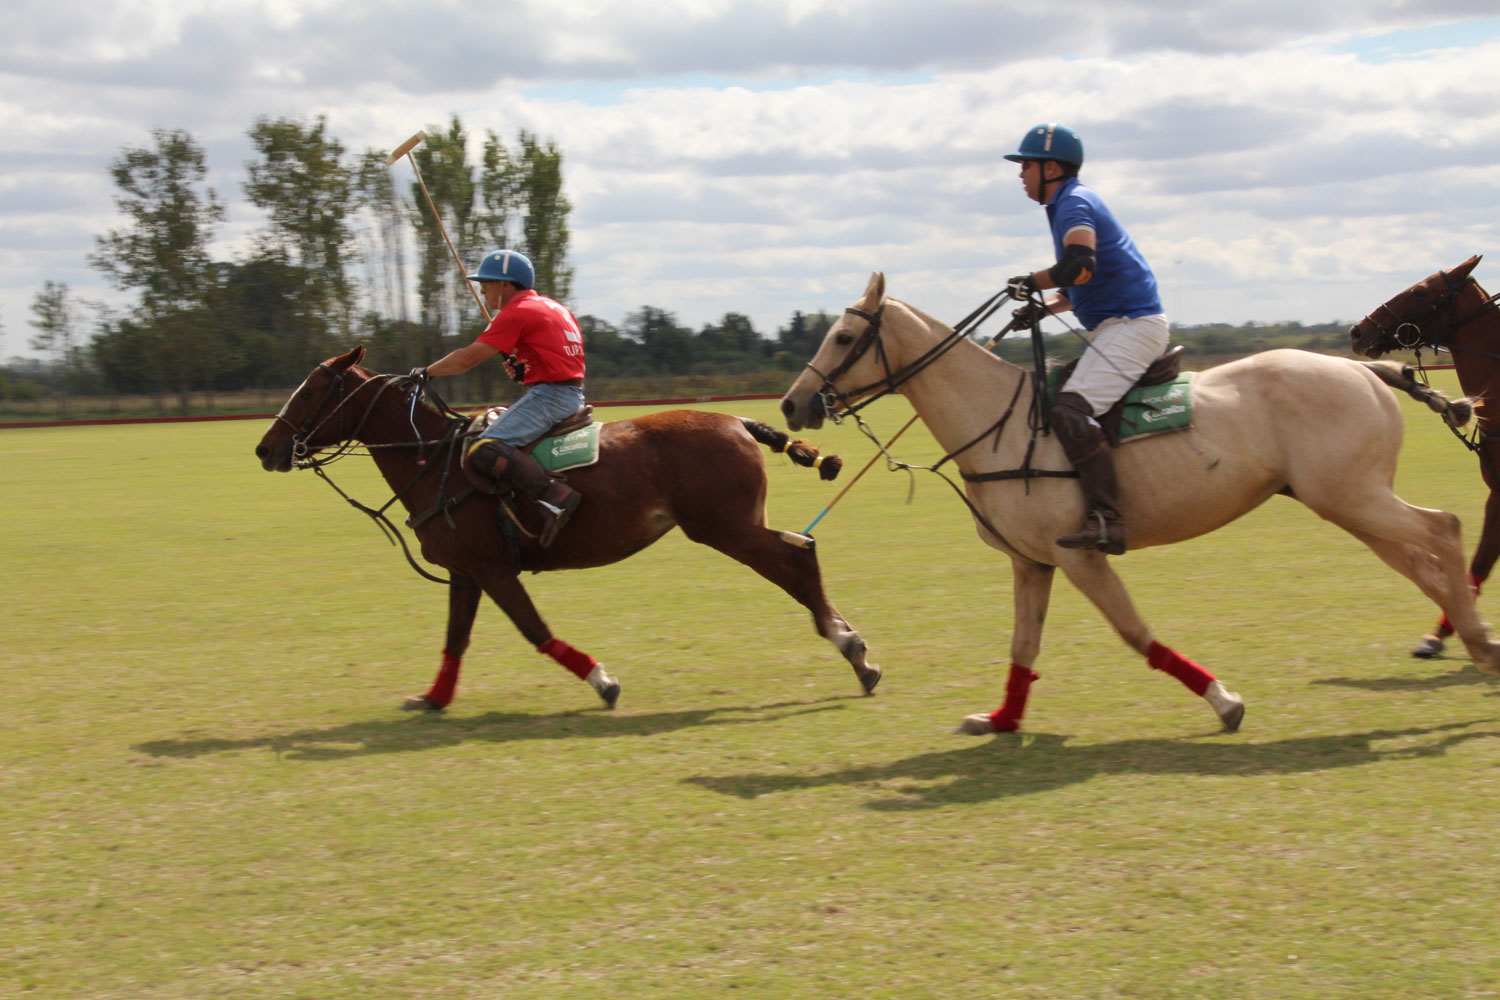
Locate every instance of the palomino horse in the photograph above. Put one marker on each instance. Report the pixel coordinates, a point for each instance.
(702, 472)
(1325, 430)
(1449, 311)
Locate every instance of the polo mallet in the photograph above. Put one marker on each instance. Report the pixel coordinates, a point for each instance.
(1012, 325)
(405, 150)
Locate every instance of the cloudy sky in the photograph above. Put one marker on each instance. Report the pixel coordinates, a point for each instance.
(1273, 159)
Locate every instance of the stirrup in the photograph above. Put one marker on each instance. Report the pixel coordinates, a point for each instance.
(556, 516)
(1088, 538)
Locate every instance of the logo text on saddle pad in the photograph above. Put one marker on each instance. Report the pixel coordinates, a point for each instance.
(1157, 408)
(568, 451)
(1144, 410)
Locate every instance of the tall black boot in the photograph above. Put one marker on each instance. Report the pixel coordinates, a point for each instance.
(494, 466)
(1087, 448)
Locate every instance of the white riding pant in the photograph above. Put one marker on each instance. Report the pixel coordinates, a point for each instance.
(1119, 352)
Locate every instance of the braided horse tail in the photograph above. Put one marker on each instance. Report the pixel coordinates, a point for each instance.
(1455, 412)
(798, 450)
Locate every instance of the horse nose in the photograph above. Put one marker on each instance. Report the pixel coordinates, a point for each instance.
(261, 451)
(787, 406)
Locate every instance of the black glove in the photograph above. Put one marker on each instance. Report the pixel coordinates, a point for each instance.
(1022, 286)
(418, 374)
(1029, 315)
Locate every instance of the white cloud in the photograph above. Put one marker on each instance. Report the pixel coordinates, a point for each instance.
(1275, 160)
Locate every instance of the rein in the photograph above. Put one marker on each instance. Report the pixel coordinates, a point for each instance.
(445, 448)
(893, 380)
(870, 337)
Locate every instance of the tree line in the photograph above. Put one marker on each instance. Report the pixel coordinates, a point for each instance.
(347, 252)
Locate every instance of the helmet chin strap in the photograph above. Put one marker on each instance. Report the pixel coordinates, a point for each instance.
(1044, 182)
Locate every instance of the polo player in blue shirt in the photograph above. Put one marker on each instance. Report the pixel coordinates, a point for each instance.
(1104, 280)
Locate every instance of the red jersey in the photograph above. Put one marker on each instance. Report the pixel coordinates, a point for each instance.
(542, 333)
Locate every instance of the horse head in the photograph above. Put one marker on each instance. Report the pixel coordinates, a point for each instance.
(313, 417)
(844, 360)
(1418, 317)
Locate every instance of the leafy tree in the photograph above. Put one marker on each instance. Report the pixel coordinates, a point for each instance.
(667, 347)
(499, 194)
(384, 254)
(448, 306)
(303, 185)
(163, 252)
(544, 230)
(56, 322)
(124, 352)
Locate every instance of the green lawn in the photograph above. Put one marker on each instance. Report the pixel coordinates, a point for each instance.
(208, 791)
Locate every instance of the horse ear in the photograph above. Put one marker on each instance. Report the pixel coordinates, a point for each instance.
(874, 291)
(348, 360)
(1461, 272)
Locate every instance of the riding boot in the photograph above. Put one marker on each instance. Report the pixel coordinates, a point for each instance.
(1087, 448)
(494, 466)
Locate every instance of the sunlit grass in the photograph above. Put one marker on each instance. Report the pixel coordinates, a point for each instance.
(209, 793)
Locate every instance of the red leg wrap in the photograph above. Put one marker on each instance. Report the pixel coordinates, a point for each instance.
(441, 692)
(1007, 718)
(581, 664)
(1169, 661)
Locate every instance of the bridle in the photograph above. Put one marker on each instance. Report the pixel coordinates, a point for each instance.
(1411, 333)
(310, 426)
(840, 404)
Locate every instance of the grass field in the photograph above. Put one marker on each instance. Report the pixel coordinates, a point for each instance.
(208, 791)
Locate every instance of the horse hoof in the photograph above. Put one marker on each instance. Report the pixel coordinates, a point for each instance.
(610, 693)
(869, 677)
(420, 703)
(1429, 647)
(1233, 716)
(976, 725)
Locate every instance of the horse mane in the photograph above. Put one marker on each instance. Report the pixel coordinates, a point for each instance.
(937, 325)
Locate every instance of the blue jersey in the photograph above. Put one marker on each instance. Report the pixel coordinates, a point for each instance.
(1123, 284)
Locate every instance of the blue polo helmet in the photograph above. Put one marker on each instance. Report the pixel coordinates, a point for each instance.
(1050, 141)
(506, 265)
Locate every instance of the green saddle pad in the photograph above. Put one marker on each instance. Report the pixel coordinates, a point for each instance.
(1148, 410)
(1157, 408)
(568, 451)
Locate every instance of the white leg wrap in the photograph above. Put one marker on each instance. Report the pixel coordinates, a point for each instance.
(598, 679)
(1220, 698)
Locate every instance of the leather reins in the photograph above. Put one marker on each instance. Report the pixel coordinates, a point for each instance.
(446, 445)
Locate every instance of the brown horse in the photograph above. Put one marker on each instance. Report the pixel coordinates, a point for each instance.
(702, 472)
(1450, 311)
(1324, 430)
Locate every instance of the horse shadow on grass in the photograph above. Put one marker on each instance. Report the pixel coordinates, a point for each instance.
(432, 731)
(1021, 764)
(1464, 675)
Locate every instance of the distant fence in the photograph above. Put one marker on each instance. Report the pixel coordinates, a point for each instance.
(677, 401)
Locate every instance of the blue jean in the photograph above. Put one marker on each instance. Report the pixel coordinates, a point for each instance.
(542, 405)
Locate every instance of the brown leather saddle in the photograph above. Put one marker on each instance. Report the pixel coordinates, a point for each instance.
(579, 420)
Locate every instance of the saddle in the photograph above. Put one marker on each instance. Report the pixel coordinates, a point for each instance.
(1162, 371)
(579, 420)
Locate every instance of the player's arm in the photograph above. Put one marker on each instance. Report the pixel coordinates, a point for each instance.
(461, 360)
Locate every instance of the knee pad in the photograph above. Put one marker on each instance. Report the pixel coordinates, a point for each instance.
(1072, 420)
(485, 463)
